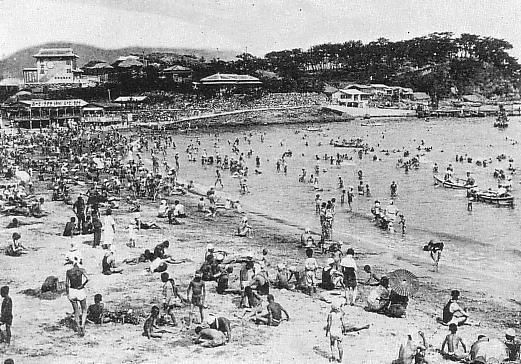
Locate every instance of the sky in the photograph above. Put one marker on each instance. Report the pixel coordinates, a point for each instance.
(255, 26)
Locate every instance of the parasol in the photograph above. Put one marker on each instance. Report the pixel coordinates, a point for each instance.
(403, 282)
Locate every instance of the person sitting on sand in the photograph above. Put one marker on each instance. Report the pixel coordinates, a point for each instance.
(209, 338)
(282, 278)
(145, 225)
(373, 279)
(453, 313)
(397, 305)
(331, 277)
(253, 303)
(37, 210)
(274, 315)
(179, 210)
(260, 281)
(245, 228)
(201, 205)
(16, 249)
(512, 345)
(412, 352)
(378, 298)
(306, 239)
(452, 342)
(162, 210)
(477, 348)
(108, 263)
(70, 228)
(221, 324)
(96, 312)
(150, 326)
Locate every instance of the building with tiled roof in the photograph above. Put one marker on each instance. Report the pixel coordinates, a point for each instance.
(53, 66)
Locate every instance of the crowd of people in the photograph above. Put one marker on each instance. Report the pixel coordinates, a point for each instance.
(107, 171)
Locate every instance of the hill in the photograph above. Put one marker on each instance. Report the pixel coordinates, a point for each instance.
(12, 65)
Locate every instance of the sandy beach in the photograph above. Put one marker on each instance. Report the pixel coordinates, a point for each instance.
(38, 335)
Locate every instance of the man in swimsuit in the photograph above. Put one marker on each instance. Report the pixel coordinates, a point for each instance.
(453, 341)
(274, 315)
(453, 313)
(75, 287)
(221, 324)
(198, 290)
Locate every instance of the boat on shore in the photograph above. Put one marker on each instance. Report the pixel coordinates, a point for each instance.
(371, 124)
(313, 129)
(454, 183)
(497, 198)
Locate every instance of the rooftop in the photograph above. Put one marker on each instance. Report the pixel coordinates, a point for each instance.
(177, 68)
(55, 52)
(351, 91)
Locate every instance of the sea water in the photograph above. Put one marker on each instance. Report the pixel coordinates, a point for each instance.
(487, 237)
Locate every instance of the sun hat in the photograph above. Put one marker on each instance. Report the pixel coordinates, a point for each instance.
(510, 332)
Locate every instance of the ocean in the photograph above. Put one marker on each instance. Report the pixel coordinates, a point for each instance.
(486, 237)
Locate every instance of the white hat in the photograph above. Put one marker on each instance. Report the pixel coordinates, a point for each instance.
(330, 261)
(210, 247)
(219, 256)
(210, 319)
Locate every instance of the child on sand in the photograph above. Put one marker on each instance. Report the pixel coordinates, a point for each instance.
(150, 326)
(452, 342)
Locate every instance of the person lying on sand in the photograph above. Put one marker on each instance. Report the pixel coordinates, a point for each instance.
(274, 315)
(15, 223)
(221, 324)
(145, 225)
(452, 342)
(209, 338)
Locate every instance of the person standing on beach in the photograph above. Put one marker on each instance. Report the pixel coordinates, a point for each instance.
(198, 290)
(97, 226)
(79, 210)
(6, 317)
(334, 328)
(394, 188)
(75, 287)
(219, 179)
(349, 269)
(109, 229)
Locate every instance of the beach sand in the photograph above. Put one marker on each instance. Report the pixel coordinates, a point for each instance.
(38, 336)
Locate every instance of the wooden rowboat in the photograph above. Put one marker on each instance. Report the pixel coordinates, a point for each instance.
(457, 183)
(492, 198)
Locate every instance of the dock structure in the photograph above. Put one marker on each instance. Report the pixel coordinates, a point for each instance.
(369, 112)
(488, 111)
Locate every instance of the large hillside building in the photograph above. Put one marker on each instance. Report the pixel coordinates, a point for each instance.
(53, 66)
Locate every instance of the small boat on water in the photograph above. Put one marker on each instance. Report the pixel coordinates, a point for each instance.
(454, 183)
(371, 124)
(313, 129)
(353, 143)
(499, 198)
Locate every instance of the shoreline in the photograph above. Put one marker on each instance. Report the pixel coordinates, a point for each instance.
(302, 338)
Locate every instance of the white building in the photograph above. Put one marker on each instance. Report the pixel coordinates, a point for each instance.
(53, 66)
(351, 98)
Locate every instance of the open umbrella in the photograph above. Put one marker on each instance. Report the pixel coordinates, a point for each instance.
(403, 282)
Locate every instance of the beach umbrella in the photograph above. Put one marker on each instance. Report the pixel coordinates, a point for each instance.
(23, 176)
(403, 282)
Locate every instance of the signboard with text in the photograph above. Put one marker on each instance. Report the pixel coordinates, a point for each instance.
(57, 103)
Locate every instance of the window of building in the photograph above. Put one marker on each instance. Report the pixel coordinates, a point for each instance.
(68, 70)
(42, 69)
(68, 62)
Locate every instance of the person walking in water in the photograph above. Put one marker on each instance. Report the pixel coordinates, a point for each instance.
(219, 179)
(394, 189)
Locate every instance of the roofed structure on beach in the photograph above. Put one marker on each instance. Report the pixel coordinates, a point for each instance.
(472, 98)
(230, 79)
